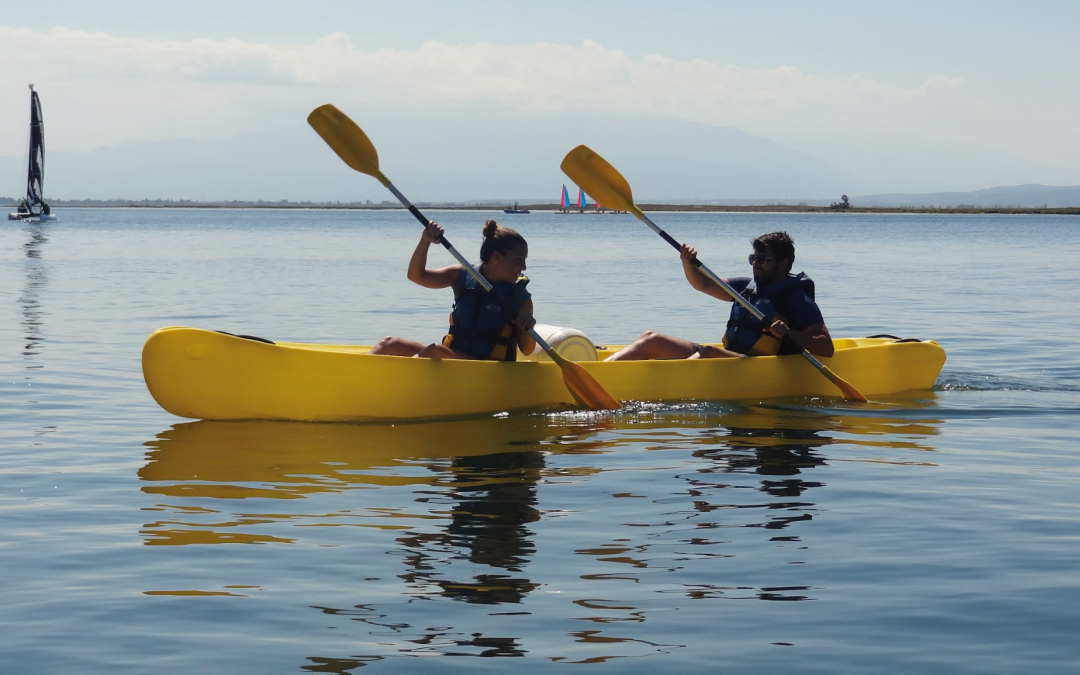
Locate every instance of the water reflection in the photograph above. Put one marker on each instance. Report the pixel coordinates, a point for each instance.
(319, 664)
(475, 479)
(493, 501)
(478, 462)
(452, 511)
(37, 278)
(781, 445)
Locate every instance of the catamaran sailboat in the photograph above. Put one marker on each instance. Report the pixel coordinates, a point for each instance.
(33, 207)
(582, 203)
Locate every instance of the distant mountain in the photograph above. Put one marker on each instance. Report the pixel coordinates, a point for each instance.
(491, 156)
(486, 156)
(1019, 196)
(907, 164)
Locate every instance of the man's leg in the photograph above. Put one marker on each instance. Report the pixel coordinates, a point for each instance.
(713, 352)
(653, 345)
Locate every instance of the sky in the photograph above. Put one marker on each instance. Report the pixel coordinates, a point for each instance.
(855, 84)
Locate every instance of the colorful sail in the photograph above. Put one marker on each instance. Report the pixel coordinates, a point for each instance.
(582, 201)
(564, 203)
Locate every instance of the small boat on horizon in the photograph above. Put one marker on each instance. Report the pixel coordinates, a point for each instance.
(33, 206)
(515, 209)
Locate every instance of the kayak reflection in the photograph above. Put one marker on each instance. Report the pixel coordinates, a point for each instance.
(476, 480)
(494, 501)
(476, 477)
(780, 445)
(481, 473)
(454, 509)
(290, 460)
(781, 442)
(776, 448)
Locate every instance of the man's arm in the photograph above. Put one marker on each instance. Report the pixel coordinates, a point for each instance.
(814, 339)
(697, 278)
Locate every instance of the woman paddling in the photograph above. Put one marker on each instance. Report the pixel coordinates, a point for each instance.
(480, 326)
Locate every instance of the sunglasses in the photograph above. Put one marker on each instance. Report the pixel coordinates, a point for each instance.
(759, 258)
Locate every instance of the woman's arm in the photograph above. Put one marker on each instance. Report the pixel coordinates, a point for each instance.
(419, 273)
(525, 322)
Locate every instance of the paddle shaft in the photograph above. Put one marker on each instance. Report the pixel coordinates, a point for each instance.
(352, 145)
(555, 356)
(736, 296)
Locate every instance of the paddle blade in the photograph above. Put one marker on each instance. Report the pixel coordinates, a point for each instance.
(346, 139)
(583, 386)
(585, 389)
(596, 177)
(850, 392)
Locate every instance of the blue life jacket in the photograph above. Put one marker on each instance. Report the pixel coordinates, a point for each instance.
(747, 335)
(479, 325)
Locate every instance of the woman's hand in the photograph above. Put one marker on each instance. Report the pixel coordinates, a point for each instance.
(418, 270)
(433, 232)
(525, 322)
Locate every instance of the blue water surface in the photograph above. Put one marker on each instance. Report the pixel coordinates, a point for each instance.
(931, 532)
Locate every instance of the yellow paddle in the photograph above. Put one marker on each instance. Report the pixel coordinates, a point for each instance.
(596, 177)
(352, 145)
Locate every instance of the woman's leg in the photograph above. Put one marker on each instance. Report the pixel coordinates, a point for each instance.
(396, 346)
(440, 351)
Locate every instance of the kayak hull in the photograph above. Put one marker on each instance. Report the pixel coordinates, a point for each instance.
(209, 375)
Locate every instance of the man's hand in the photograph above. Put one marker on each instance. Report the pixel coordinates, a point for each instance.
(780, 329)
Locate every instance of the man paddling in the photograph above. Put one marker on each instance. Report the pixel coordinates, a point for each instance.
(792, 321)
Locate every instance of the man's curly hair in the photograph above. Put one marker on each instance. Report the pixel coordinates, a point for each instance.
(779, 243)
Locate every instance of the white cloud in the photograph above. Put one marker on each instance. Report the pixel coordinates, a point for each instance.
(108, 89)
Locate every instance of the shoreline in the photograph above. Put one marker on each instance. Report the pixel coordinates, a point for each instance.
(554, 208)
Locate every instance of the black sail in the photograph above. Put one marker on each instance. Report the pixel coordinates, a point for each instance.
(36, 171)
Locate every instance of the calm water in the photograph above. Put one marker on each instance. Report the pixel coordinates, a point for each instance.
(935, 533)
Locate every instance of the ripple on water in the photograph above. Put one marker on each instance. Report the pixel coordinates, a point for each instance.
(932, 532)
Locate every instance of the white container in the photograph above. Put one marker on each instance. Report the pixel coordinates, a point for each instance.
(571, 344)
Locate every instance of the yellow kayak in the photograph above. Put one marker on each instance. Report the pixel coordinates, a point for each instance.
(216, 376)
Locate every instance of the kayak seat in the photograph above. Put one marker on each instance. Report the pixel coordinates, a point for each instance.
(570, 343)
